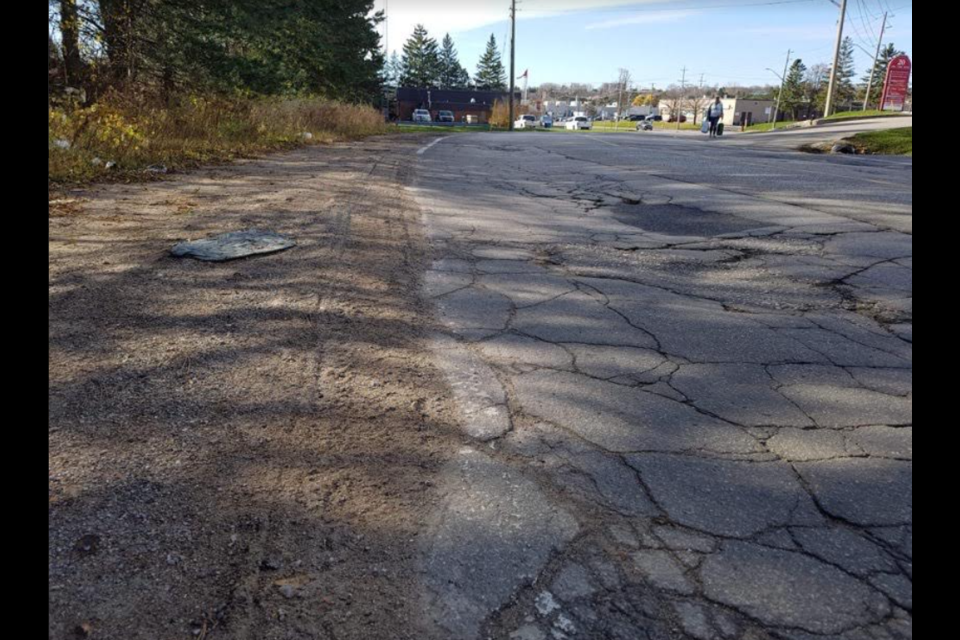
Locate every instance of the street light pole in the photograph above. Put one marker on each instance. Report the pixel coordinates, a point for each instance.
(832, 89)
(873, 69)
(783, 84)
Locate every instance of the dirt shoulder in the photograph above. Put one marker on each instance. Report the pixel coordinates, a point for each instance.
(242, 450)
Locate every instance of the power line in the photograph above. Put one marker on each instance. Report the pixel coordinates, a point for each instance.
(873, 67)
(867, 26)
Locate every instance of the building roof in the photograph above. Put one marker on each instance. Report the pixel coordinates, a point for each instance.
(452, 96)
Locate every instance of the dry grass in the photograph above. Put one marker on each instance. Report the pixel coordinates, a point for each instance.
(500, 115)
(120, 136)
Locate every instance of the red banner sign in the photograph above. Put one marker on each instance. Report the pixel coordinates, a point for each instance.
(897, 85)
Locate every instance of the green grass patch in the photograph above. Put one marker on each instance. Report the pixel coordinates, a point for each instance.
(426, 128)
(632, 126)
(860, 114)
(891, 142)
(768, 126)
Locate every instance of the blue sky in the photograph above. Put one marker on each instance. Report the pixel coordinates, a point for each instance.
(728, 41)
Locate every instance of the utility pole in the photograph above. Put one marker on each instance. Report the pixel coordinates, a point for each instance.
(696, 103)
(620, 98)
(783, 84)
(513, 56)
(679, 103)
(873, 69)
(386, 29)
(832, 89)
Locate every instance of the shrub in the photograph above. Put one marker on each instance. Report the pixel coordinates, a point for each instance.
(122, 134)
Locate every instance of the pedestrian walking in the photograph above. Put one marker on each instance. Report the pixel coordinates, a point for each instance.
(715, 115)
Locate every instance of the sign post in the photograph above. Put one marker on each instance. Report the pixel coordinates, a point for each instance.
(897, 85)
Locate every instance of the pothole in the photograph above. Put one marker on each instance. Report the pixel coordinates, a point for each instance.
(677, 220)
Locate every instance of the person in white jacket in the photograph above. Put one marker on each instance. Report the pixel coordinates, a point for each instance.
(715, 114)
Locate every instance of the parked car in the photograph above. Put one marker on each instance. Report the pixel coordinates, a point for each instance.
(526, 122)
(636, 118)
(579, 123)
(422, 115)
(445, 116)
(546, 122)
(645, 125)
(654, 118)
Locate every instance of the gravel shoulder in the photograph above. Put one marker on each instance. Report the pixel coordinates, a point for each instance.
(246, 449)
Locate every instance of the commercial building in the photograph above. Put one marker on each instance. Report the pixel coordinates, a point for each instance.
(462, 103)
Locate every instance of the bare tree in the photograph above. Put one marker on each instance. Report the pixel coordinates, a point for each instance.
(698, 103)
(672, 101)
(623, 87)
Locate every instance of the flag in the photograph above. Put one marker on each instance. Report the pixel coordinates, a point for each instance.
(525, 74)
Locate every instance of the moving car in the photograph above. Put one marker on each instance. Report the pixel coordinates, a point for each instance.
(645, 125)
(579, 123)
(445, 116)
(422, 115)
(526, 122)
(546, 122)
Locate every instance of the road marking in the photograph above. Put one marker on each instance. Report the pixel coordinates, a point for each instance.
(603, 141)
(427, 148)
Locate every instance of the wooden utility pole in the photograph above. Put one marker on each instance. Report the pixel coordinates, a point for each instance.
(873, 69)
(681, 98)
(832, 89)
(783, 85)
(513, 57)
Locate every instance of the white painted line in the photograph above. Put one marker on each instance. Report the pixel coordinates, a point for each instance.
(606, 142)
(427, 148)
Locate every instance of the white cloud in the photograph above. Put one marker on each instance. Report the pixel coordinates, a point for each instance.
(654, 17)
(793, 33)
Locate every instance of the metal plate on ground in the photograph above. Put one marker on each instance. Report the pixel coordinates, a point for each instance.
(234, 245)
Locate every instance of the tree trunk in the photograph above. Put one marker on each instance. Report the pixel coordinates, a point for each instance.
(118, 24)
(70, 34)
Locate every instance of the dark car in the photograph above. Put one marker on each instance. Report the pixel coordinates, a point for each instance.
(654, 118)
(636, 118)
(445, 116)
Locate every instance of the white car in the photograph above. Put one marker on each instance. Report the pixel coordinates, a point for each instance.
(525, 122)
(422, 115)
(579, 123)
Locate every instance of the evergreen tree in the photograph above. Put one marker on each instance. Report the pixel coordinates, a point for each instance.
(887, 54)
(490, 74)
(393, 70)
(247, 46)
(452, 73)
(845, 91)
(421, 60)
(794, 91)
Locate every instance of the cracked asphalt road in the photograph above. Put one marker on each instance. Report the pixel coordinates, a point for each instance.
(686, 369)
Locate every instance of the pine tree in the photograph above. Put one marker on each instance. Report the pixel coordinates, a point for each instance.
(845, 91)
(421, 60)
(490, 74)
(887, 54)
(452, 73)
(393, 70)
(794, 90)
